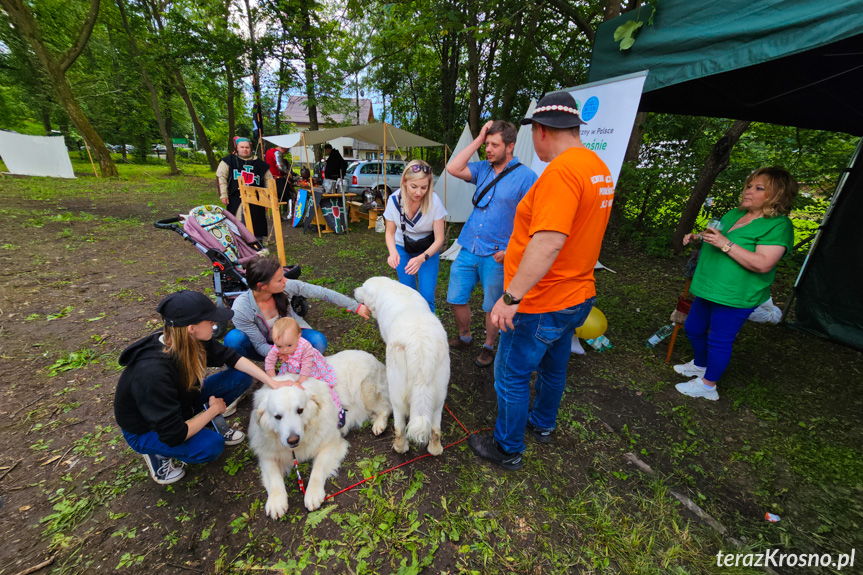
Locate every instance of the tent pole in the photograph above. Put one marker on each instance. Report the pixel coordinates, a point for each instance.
(311, 185)
(445, 161)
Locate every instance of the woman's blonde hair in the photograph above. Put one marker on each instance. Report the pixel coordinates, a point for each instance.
(189, 354)
(409, 175)
(781, 190)
(283, 325)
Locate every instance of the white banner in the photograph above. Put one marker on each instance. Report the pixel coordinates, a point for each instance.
(609, 108)
(35, 155)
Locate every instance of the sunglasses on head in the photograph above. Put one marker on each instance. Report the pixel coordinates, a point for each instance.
(420, 168)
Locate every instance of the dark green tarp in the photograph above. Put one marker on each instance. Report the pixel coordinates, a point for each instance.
(791, 62)
(830, 288)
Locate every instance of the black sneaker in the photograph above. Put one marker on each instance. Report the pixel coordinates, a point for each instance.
(233, 437)
(486, 447)
(539, 435)
(162, 469)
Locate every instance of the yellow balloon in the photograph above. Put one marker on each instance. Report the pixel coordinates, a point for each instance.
(594, 326)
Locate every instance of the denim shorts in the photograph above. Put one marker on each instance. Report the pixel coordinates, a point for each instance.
(466, 271)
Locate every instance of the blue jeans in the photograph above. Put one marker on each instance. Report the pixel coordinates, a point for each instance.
(711, 329)
(466, 271)
(425, 280)
(539, 342)
(207, 444)
(240, 342)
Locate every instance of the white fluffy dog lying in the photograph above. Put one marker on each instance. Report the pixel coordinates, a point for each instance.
(417, 360)
(304, 422)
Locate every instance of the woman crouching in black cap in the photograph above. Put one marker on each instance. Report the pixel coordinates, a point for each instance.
(164, 404)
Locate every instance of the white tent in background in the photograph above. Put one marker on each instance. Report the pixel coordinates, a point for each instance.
(35, 155)
(524, 142)
(457, 194)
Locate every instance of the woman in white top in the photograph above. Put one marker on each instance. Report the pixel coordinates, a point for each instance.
(415, 230)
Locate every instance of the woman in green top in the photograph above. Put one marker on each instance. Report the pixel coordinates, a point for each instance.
(734, 275)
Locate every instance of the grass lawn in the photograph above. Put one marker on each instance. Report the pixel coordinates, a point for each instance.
(84, 269)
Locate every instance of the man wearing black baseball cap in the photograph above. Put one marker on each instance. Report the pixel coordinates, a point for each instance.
(548, 280)
(164, 404)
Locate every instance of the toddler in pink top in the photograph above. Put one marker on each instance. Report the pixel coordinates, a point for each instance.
(298, 356)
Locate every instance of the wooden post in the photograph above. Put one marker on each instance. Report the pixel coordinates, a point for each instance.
(268, 198)
(95, 173)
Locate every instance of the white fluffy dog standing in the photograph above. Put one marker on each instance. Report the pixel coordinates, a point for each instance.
(417, 360)
(303, 422)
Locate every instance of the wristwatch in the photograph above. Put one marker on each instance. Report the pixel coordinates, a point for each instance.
(508, 299)
(727, 247)
(426, 257)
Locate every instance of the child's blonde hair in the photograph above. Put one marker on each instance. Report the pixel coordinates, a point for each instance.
(284, 325)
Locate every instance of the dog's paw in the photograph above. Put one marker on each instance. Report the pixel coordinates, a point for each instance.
(400, 445)
(277, 506)
(434, 446)
(380, 426)
(314, 498)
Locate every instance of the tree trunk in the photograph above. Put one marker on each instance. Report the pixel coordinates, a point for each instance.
(154, 96)
(612, 9)
(308, 61)
(449, 51)
(514, 78)
(180, 84)
(46, 116)
(203, 140)
(635, 139)
(473, 115)
(229, 77)
(716, 161)
(256, 82)
(55, 68)
(232, 125)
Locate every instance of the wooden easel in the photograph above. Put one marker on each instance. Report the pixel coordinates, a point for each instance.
(267, 198)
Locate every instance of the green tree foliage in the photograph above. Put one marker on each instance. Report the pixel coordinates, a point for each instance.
(650, 196)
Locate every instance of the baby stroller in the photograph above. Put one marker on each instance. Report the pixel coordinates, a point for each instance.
(229, 245)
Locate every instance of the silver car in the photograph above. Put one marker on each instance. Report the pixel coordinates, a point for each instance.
(366, 174)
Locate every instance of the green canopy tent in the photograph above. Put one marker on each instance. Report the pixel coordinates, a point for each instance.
(791, 62)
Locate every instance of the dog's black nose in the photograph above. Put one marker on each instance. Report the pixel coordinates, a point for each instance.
(294, 440)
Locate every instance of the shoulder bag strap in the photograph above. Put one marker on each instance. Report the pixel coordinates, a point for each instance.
(477, 199)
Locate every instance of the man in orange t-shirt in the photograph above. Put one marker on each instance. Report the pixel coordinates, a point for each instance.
(548, 278)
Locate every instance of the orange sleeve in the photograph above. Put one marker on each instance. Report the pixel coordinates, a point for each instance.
(558, 209)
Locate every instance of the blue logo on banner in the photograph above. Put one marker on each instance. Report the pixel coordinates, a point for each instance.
(590, 108)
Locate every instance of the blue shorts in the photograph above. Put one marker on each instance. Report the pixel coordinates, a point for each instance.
(466, 271)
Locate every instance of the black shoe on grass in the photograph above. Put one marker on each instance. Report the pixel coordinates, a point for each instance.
(486, 447)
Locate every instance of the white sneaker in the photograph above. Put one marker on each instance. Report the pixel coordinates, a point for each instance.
(164, 470)
(690, 369)
(232, 408)
(696, 388)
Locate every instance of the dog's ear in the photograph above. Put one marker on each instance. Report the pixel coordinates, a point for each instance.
(316, 401)
(258, 414)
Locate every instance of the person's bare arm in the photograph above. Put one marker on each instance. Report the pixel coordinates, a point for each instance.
(539, 255)
(761, 261)
(215, 406)
(457, 166)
